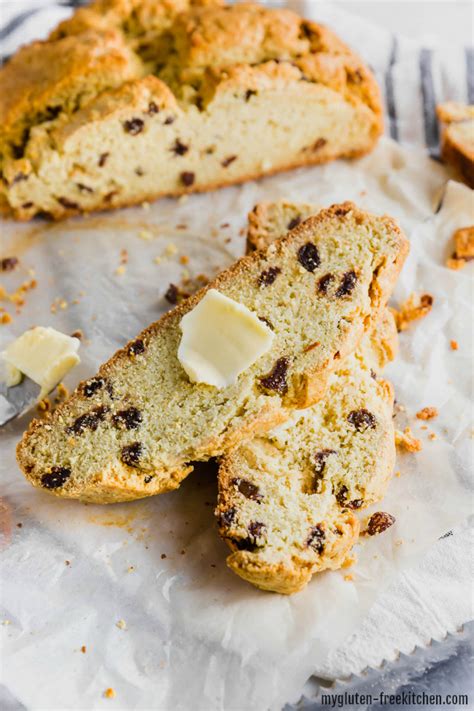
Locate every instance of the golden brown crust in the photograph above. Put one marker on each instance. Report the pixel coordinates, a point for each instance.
(197, 48)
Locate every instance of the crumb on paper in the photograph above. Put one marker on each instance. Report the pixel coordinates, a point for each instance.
(348, 578)
(171, 249)
(432, 436)
(83, 649)
(77, 334)
(184, 259)
(413, 309)
(121, 270)
(406, 440)
(454, 345)
(5, 318)
(145, 235)
(349, 561)
(163, 556)
(427, 413)
(121, 624)
(8, 264)
(130, 569)
(110, 693)
(67, 562)
(5, 623)
(398, 474)
(463, 248)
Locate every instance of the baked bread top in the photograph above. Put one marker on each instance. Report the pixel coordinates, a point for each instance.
(133, 429)
(190, 45)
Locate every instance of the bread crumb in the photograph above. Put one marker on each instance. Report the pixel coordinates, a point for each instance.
(130, 569)
(77, 334)
(171, 249)
(464, 248)
(432, 436)
(406, 440)
(121, 270)
(184, 259)
(349, 577)
(121, 624)
(146, 235)
(414, 308)
(349, 561)
(454, 345)
(123, 256)
(5, 623)
(398, 474)
(110, 693)
(427, 413)
(83, 649)
(5, 318)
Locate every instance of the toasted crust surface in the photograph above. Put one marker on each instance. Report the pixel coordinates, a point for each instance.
(457, 141)
(286, 499)
(84, 114)
(133, 430)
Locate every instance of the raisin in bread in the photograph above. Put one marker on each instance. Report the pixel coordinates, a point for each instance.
(286, 499)
(127, 101)
(133, 430)
(457, 142)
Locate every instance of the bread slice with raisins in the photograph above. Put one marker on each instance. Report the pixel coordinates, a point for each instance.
(457, 140)
(135, 428)
(125, 102)
(286, 499)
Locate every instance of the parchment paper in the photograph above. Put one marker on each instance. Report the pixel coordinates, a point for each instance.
(191, 634)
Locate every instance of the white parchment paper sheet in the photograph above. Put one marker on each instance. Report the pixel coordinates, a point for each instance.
(196, 636)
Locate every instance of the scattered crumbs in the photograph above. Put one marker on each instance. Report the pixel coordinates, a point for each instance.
(183, 552)
(182, 226)
(213, 565)
(121, 270)
(5, 318)
(242, 231)
(432, 436)
(44, 405)
(121, 624)
(399, 542)
(398, 474)
(123, 256)
(19, 525)
(163, 556)
(109, 693)
(423, 427)
(224, 225)
(130, 569)
(455, 264)
(348, 578)
(5, 623)
(67, 562)
(77, 334)
(158, 260)
(454, 345)
(228, 240)
(406, 440)
(83, 649)
(184, 259)
(185, 274)
(427, 413)
(413, 309)
(146, 235)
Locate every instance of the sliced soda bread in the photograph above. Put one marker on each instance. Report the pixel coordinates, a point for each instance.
(133, 429)
(286, 499)
(127, 101)
(457, 140)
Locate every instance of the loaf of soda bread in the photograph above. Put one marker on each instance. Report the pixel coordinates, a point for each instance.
(132, 99)
(136, 427)
(286, 499)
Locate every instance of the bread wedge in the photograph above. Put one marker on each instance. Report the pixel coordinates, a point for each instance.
(136, 427)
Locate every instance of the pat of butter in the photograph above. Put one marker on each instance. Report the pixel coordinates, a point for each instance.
(43, 354)
(221, 338)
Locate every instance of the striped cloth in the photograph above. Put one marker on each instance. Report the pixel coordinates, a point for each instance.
(413, 79)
